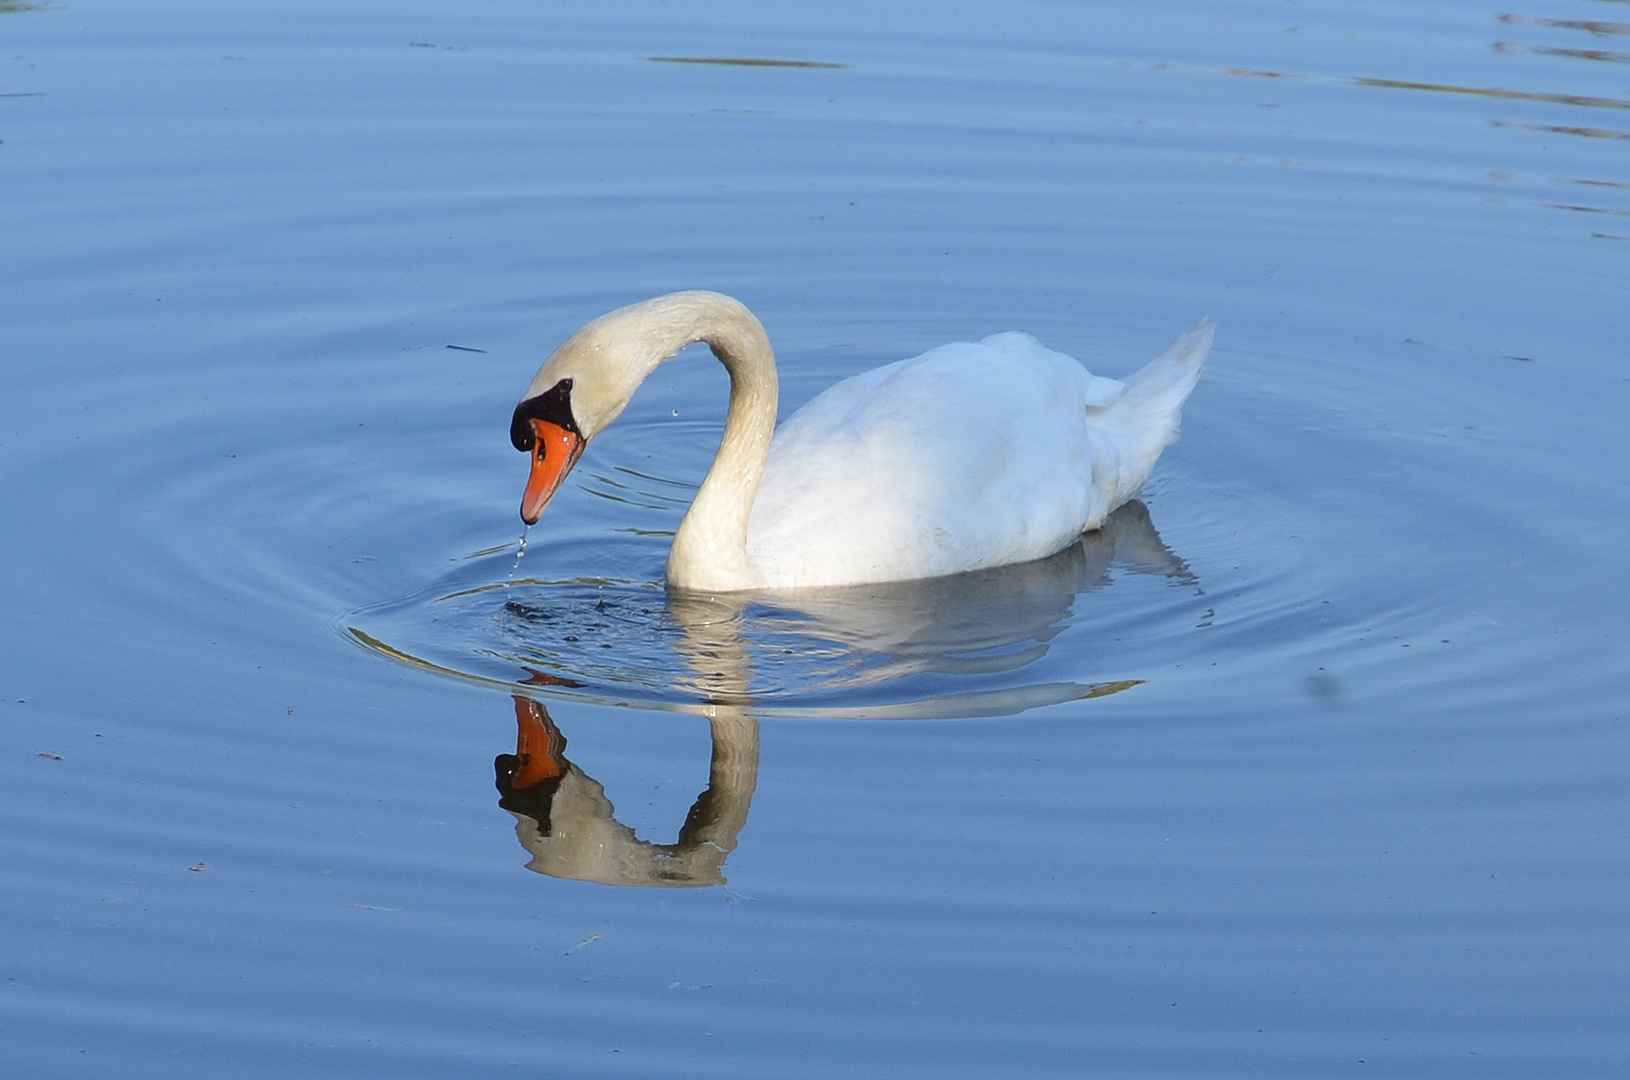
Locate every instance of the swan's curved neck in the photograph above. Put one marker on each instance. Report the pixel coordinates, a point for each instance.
(603, 364)
(709, 550)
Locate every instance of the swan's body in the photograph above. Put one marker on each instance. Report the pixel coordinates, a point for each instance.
(968, 456)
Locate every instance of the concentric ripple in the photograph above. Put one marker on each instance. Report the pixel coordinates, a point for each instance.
(978, 644)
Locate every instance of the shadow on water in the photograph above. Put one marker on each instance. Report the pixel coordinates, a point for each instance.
(961, 646)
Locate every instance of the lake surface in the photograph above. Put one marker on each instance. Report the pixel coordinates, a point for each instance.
(1313, 763)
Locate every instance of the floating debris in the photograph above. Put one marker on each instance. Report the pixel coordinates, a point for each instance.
(743, 61)
(586, 941)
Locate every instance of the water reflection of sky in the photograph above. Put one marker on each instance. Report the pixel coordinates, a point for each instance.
(1526, 83)
(1333, 770)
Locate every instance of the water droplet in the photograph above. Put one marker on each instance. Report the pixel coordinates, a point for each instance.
(520, 551)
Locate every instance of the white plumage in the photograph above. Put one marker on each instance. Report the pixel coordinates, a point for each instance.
(969, 456)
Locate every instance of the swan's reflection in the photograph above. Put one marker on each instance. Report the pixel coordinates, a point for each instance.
(562, 815)
(936, 648)
(564, 820)
(940, 647)
(972, 624)
(978, 623)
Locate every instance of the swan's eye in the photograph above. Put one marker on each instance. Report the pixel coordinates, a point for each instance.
(553, 405)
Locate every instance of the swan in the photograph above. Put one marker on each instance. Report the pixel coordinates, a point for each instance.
(969, 456)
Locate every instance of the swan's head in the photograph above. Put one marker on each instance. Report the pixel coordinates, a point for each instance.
(545, 428)
(588, 381)
(583, 386)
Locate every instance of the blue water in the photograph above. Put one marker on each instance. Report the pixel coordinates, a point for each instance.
(1312, 764)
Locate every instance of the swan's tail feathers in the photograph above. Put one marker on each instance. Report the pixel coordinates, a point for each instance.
(1151, 406)
(1144, 419)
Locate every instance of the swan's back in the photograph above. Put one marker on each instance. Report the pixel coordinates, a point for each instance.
(968, 456)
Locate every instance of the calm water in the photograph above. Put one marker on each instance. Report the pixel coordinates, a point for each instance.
(1312, 764)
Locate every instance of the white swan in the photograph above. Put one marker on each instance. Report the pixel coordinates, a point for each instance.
(968, 456)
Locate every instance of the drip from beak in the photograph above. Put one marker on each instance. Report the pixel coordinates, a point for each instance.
(554, 451)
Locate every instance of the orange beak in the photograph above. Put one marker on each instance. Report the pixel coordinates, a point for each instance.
(554, 451)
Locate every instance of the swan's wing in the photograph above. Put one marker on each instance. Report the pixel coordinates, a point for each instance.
(970, 455)
(827, 409)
